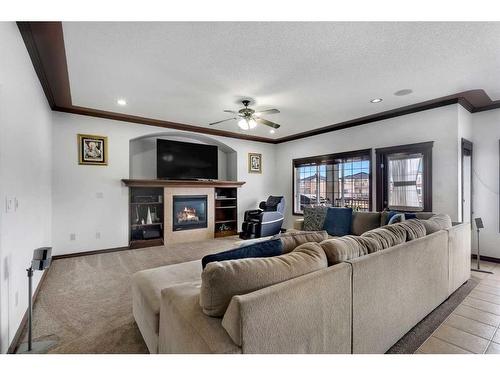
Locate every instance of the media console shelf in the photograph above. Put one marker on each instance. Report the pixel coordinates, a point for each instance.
(156, 195)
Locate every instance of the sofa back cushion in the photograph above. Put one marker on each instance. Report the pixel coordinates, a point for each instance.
(338, 221)
(220, 281)
(436, 223)
(290, 240)
(258, 249)
(314, 217)
(344, 248)
(414, 229)
(387, 236)
(364, 221)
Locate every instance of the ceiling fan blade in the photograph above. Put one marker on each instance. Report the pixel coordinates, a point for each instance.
(218, 122)
(229, 111)
(268, 123)
(268, 111)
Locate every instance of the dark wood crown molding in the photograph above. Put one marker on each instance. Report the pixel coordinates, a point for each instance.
(45, 44)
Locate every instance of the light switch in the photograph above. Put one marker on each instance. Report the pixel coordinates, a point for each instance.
(10, 204)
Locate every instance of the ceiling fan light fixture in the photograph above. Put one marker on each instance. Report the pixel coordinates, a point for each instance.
(243, 124)
(252, 123)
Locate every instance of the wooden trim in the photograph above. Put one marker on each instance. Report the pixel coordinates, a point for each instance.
(92, 252)
(381, 163)
(181, 183)
(330, 158)
(45, 44)
(16, 341)
(466, 146)
(472, 100)
(486, 258)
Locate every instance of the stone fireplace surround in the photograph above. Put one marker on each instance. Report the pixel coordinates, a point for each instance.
(198, 234)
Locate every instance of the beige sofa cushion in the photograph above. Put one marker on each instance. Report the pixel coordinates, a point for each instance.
(436, 223)
(223, 280)
(387, 236)
(291, 240)
(340, 249)
(414, 229)
(364, 221)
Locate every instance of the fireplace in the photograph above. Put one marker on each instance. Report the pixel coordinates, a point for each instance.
(189, 212)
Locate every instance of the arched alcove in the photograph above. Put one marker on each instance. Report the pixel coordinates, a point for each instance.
(142, 154)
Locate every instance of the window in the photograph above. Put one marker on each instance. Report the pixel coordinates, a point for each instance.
(404, 177)
(341, 180)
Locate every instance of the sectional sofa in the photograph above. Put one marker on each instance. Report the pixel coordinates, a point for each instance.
(329, 295)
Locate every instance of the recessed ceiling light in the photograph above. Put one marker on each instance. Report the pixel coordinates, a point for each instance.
(376, 100)
(272, 131)
(121, 102)
(403, 92)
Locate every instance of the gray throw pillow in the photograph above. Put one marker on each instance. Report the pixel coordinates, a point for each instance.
(314, 217)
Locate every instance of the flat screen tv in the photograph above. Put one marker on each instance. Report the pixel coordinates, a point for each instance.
(185, 161)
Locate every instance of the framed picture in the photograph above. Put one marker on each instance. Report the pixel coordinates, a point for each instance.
(92, 149)
(254, 163)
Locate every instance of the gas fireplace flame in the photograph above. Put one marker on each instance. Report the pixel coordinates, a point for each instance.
(187, 214)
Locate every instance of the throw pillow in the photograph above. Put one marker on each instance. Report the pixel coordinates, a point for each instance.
(290, 240)
(261, 249)
(314, 217)
(220, 281)
(338, 221)
(397, 218)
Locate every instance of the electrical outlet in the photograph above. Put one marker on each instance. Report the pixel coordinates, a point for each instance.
(98, 235)
(72, 236)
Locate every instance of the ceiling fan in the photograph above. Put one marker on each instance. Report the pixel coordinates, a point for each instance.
(248, 118)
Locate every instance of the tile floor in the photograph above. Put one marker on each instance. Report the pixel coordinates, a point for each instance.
(474, 326)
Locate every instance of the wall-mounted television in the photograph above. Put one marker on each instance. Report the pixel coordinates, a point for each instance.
(185, 161)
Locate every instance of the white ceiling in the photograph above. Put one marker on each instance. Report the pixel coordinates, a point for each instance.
(317, 74)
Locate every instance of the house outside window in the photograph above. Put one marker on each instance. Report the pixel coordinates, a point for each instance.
(340, 180)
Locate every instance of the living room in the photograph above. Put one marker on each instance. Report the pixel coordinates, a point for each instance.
(174, 187)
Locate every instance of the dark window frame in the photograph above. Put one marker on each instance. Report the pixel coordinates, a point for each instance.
(381, 162)
(329, 158)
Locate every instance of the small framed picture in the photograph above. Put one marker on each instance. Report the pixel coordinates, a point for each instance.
(92, 149)
(254, 163)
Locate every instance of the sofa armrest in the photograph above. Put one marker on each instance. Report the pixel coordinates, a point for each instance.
(298, 224)
(184, 328)
(288, 318)
(459, 255)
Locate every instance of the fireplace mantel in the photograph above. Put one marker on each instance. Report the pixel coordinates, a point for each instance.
(181, 183)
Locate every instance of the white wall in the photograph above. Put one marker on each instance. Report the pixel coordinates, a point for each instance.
(485, 137)
(439, 125)
(89, 199)
(25, 173)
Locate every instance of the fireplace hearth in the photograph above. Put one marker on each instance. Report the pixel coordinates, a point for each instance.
(189, 212)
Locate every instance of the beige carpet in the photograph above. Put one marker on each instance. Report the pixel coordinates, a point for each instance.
(85, 303)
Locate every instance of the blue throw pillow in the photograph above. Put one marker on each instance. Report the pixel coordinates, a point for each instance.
(390, 215)
(410, 215)
(338, 221)
(261, 249)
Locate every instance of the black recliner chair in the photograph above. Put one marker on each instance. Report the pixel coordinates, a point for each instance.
(266, 221)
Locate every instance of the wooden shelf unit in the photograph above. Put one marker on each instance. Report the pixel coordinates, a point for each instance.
(226, 212)
(140, 199)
